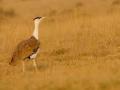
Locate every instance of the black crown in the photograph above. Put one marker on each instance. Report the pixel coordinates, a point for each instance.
(37, 18)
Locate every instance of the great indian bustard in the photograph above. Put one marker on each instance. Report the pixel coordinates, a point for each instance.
(27, 49)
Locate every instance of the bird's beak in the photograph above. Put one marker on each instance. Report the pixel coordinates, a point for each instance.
(43, 17)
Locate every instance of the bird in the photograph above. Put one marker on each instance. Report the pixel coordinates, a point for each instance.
(29, 48)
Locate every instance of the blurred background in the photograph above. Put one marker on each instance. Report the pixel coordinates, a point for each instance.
(80, 44)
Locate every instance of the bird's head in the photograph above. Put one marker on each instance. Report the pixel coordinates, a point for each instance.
(38, 19)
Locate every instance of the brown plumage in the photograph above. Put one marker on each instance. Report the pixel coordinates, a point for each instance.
(24, 50)
(28, 48)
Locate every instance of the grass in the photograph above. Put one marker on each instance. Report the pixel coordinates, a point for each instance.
(116, 2)
(79, 45)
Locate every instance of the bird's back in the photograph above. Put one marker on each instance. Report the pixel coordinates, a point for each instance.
(25, 49)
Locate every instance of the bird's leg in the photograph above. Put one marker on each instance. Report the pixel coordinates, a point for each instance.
(35, 65)
(23, 64)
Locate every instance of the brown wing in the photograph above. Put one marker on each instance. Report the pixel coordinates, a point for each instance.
(25, 49)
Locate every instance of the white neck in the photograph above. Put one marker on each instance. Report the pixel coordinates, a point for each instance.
(35, 32)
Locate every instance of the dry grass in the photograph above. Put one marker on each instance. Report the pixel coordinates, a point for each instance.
(79, 46)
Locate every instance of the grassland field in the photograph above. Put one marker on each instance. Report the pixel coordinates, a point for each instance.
(80, 44)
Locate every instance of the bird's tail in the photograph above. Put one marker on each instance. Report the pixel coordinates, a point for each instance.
(12, 62)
